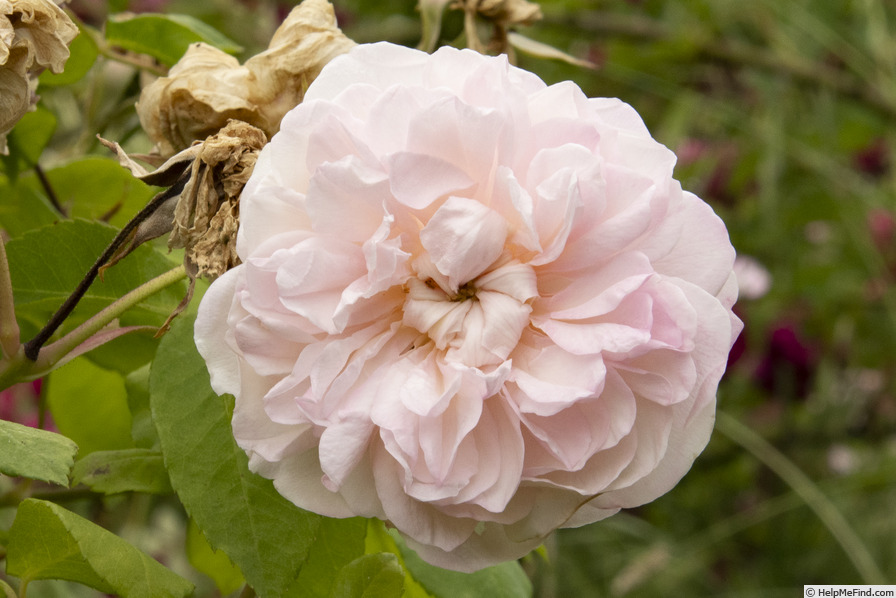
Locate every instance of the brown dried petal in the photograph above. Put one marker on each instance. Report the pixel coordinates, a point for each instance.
(34, 35)
(207, 215)
(306, 41)
(203, 217)
(41, 27)
(165, 174)
(215, 251)
(16, 92)
(207, 87)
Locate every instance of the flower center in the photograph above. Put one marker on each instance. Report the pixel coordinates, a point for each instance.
(467, 291)
(481, 322)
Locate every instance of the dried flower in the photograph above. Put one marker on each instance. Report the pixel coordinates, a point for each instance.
(34, 35)
(208, 87)
(204, 216)
(207, 214)
(470, 304)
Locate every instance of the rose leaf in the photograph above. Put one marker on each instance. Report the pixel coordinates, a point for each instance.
(35, 454)
(338, 543)
(164, 37)
(370, 576)
(124, 470)
(49, 542)
(239, 512)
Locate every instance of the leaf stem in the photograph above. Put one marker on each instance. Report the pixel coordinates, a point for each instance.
(32, 347)
(806, 489)
(48, 189)
(431, 12)
(59, 349)
(139, 62)
(7, 589)
(20, 368)
(9, 327)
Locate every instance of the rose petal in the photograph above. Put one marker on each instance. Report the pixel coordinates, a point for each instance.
(463, 238)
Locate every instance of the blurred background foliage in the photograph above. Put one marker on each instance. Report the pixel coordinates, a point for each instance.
(782, 116)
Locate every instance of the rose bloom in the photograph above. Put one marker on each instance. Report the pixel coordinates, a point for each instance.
(471, 305)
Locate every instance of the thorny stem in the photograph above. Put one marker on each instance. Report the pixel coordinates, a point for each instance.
(32, 347)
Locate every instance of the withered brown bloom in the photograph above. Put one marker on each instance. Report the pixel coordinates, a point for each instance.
(207, 87)
(34, 35)
(203, 216)
(207, 214)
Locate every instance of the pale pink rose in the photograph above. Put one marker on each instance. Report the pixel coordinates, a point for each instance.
(472, 305)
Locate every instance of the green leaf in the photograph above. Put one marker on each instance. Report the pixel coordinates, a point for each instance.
(49, 542)
(47, 264)
(338, 543)
(89, 405)
(83, 53)
(27, 141)
(143, 430)
(239, 512)
(96, 188)
(125, 470)
(35, 454)
(507, 580)
(380, 540)
(211, 562)
(24, 208)
(164, 37)
(370, 576)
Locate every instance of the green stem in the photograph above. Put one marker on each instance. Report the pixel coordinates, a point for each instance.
(470, 29)
(806, 489)
(20, 368)
(141, 62)
(431, 21)
(33, 347)
(7, 589)
(48, 189)
(55, 352)
(9, 328)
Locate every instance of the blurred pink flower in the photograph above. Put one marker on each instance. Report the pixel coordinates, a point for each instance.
(19, 403)
(753, 279)
(470, 304)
